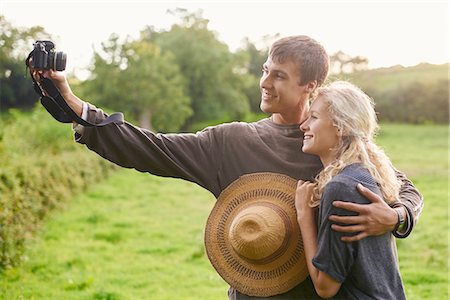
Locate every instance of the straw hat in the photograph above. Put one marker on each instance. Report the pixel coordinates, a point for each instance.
(252, 237)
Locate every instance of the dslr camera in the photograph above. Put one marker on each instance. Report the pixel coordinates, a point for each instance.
(46, 58)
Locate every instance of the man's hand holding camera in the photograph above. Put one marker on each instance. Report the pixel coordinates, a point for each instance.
(45, 62)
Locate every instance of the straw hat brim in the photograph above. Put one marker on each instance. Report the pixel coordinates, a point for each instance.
(262, 278)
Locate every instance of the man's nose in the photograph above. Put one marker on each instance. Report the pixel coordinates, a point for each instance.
(265, 81)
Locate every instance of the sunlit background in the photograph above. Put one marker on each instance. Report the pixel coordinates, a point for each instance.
(387, 33)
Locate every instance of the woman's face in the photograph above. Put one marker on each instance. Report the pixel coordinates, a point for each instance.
(321, 136)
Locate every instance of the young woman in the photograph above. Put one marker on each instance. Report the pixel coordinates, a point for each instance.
(340, 129)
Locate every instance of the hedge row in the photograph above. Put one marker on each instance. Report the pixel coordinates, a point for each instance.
(40, 169)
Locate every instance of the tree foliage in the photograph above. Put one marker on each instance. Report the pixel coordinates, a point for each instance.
(417, 95)
(213, 83)
(16, 90)
(415, 102)
(136, 77)
(341, 62)
(251, 60)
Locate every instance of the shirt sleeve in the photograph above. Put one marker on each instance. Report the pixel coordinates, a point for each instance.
(192, 157)
(412, 200)
(84, 114)
(333, 256)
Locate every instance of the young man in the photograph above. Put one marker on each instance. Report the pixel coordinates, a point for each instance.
(216, 156)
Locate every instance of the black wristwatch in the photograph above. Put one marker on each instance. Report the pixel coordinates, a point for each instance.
(400, 220)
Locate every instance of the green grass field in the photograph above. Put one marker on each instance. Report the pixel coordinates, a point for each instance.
(137, 236)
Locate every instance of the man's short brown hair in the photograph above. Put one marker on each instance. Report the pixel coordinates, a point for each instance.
(310, 57)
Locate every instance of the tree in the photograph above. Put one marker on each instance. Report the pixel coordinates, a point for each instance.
(417, 102)
(252, 60)
(341, 62)
(137, 78)
(16, 89)
(213, 82)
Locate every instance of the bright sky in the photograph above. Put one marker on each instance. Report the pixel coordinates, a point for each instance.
(386, 32)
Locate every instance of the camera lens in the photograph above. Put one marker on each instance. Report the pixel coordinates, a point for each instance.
(57, 61)
(60, 61)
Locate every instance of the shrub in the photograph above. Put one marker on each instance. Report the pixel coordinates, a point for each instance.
(40, 169)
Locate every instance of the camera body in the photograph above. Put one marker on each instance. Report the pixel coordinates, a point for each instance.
(46, 58)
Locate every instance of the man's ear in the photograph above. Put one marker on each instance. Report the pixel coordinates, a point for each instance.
(311, 86)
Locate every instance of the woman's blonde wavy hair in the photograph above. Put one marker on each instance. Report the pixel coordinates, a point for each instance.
(353, 113)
